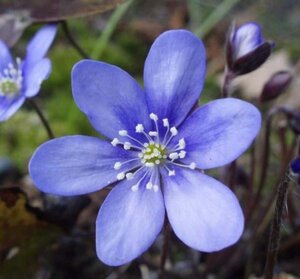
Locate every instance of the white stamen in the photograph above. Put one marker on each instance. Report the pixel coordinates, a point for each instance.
(115, 141)
(153, 116)
(139, 128)
(149, 164)
(129, 175)
(181, 143)
(174, 156)
(182, 154)
(173, 131)
(127, 145)
(149, 185)
(171, 172)
(155, 188)
(135, 187)
(157, 162)
(117, 165)
(120, 175)
(153, 134)
(192, 166)
(166, 122)
(123, 133)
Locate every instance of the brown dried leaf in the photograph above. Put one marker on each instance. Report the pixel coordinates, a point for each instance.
(55, 10)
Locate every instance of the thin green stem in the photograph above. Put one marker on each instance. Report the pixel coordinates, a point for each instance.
(42, 118)
(112, 23)
(218, 14)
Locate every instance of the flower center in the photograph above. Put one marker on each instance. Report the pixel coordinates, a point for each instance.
(11, 79)
(155, 152)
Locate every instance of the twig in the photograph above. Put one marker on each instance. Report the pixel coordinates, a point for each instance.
(71, 39)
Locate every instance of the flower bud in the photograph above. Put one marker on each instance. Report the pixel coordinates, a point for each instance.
(295, 165)
(276, 85)
(246, 49)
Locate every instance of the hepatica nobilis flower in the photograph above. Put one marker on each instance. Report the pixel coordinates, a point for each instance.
(21, 79)
(247, 49)
(155, 152)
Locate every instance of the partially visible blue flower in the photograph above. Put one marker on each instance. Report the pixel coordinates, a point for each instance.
(156, 151)
(21, 79)
(295, 166)
(246, 49)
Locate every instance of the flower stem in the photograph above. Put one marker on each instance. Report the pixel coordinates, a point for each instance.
(112, 23)
(165, 250)
(276, 224)
(42, 118)
(71, 39)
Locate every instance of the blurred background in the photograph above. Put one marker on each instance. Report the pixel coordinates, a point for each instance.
(36, 239)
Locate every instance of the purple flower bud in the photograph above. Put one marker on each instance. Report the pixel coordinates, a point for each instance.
(276, 85)
(246, 49)
(295, 165)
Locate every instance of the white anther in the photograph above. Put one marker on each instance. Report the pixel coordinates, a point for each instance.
(157, 162)
(123, 133)
(171, 173)
(155, 188)
(129, 175)
(153, 116)
(166, 122)
(117, 165)
(181, 143)
(115, 141)
(153, 134)
(135, 187)
(173, 131)
(140, 155)
(149, 164)
(127, 145)
(192, 166)
(146, 144)
(139, 128)
(149, 185)
(173, 156)
(182, 154)
(120, 175)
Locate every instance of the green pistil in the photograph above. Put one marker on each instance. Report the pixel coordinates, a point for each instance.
(9, 87)
(154, 153)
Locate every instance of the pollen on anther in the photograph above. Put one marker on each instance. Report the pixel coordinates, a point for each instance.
(173, 131)
(166, 122)
(149, 185)
(139, 128)
(171, 173)
(120, 175)
(123, 133)
(153, 116)
(115, 141)
(182, 154)
(135, 187)
(192, 166)
(153, 134)
(173, 156)
(181, 143)
(127, 145)
(155, 188)
(117, 165)
(129, 175)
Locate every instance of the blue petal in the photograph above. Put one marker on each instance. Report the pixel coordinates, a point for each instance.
(75, 165)
(128, 223)
(203, 213)
(34, 76)
(5, 56)
(246, 38)
(174, 74)
(219, 132)
(8, 106)
(110, 97)
(40, 43)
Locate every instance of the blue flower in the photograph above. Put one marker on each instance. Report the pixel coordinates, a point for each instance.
(21, 79)
(246, 49)
(157, 150)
